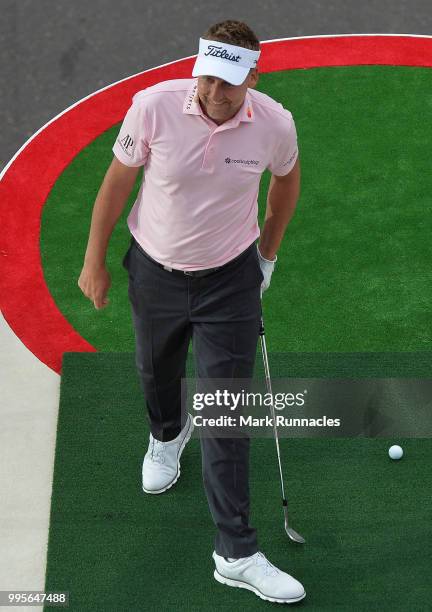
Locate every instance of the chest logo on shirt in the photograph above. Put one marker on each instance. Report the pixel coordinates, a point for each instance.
(243, 162)
(126, 144)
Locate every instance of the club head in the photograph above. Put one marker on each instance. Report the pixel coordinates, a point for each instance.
(294, 536)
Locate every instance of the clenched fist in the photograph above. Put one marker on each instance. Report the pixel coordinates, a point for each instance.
(94, 282)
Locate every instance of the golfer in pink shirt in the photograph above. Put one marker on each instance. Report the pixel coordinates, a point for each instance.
(196, 272)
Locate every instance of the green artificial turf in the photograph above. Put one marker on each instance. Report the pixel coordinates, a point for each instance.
(354, 270)
(366, 519)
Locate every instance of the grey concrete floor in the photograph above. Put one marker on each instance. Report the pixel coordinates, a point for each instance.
(55, 52)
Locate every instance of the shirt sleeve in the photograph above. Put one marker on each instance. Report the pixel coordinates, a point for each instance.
(286, 153)
(132, 144)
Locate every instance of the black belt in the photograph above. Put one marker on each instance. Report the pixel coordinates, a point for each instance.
(195, 273)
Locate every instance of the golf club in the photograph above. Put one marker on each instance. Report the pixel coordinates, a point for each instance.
(293, 535)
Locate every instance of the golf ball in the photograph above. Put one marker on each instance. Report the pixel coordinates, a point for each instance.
(395, 452)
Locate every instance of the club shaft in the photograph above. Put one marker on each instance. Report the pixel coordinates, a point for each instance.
(269, 389)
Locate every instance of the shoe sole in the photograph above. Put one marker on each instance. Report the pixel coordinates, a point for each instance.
(177, 476)
(249, 587)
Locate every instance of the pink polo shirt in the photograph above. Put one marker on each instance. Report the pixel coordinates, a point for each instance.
(197, 206)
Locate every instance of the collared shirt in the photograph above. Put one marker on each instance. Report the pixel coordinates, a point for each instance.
(197, 206)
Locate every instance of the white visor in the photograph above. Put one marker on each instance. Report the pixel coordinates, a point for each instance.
(228, 62)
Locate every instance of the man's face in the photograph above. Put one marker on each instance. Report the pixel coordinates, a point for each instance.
(220, 100)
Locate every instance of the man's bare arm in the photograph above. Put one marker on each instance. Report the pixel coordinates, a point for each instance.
(94, 280)
(108, 207)
(282, 197)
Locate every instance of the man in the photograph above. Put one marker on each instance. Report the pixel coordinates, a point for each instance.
(195, 271)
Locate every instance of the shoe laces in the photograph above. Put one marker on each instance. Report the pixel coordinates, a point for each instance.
(157, 451)
(262, 561)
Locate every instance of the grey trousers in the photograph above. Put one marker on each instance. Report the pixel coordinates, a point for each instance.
(220, 313)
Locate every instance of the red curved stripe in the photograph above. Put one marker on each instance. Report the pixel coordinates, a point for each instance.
(25, 300)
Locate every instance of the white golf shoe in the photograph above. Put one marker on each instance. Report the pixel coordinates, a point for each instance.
(161, 465)
(257, 574)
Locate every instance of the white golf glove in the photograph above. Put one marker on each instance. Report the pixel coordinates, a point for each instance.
(267, 267)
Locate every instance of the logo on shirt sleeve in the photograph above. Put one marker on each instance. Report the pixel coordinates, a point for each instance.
(290, 159)
(126, 144)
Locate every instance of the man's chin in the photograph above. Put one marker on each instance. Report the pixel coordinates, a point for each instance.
(217, 109)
